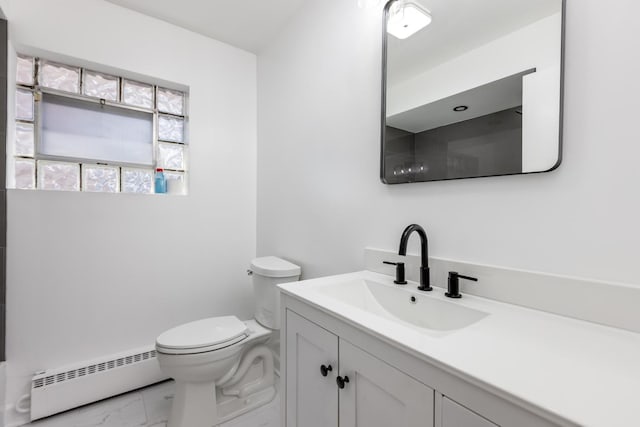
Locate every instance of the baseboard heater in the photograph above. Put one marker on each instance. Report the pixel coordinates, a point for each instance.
(61, 389)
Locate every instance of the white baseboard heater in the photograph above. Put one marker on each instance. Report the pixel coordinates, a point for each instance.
(61, 389)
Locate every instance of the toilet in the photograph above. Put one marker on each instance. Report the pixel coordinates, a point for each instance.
(222, 366)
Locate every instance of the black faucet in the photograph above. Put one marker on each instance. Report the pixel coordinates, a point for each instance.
(453, 287)
(424, 249)
(400, 280)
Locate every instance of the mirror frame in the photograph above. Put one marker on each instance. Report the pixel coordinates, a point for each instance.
(383, 109)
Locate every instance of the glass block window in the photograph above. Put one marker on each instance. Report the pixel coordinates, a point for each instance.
(170, 128)
(25, 171)
(170, 101)
(59, 77)
(137, 94)
(24, 105)
(100, 178)
(25, 71)
(171, 156)
(25, 140)
(81, 129)
(100, 85)
(137, 180)
(176, 182)
(58, 176)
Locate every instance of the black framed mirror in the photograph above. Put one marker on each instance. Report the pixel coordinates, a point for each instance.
(471, 88)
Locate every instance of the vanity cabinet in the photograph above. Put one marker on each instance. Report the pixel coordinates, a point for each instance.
(379, 395)
(331, 382)
(312, 399)
(335, 374)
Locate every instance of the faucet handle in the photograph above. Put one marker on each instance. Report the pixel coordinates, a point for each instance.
(400, 279)
(453, 290)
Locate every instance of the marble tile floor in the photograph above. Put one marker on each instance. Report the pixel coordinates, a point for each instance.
(148, 407)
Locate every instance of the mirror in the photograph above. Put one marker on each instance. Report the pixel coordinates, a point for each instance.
(471, 88)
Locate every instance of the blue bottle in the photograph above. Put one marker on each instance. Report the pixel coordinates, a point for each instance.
(160, 181)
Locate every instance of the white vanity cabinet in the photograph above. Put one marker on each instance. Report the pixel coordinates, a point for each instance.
(387, 385)
(379, 395)
(312, 399)
(359, 391)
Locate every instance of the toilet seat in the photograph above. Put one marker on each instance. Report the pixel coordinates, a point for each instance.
(203, 336)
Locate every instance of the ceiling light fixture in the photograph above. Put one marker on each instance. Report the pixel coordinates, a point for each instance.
(460, 108)
(407, 18)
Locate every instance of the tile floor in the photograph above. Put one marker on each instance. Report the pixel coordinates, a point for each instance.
(149, 407)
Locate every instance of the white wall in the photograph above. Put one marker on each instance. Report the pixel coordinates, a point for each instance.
(93, 274)
(320, 201)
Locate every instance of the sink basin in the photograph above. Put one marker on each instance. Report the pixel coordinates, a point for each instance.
(412, 308)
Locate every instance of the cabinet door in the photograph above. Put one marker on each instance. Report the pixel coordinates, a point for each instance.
(312, 399)
(451, 414)
(378, 395)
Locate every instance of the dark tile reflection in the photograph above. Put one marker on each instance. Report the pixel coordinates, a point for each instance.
(483, 146)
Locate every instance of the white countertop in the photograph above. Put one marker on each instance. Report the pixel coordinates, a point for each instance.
(585, 373)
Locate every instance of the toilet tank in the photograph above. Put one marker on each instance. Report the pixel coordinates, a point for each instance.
(268, 272)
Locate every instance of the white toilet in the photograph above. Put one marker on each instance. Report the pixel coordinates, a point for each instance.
(222, 366)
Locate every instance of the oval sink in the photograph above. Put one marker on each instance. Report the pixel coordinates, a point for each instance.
(402, 305)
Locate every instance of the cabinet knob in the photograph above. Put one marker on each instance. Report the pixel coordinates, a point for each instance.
(342, 381)
(324, 370)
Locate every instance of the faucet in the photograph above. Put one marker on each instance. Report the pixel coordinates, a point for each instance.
(424, 249)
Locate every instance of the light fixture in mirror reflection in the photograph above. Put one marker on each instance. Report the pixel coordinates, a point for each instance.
(406, 18)
(474, 92)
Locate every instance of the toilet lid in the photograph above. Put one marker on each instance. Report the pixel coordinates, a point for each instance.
(203, 333)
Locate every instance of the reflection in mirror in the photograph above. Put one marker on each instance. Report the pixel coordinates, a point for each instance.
(471, 88)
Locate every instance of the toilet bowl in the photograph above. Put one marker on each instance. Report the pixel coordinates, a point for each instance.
(222, 366)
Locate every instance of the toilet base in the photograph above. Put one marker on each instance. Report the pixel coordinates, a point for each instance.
(235, 407)
(195, 405)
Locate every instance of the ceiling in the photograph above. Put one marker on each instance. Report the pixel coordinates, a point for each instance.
(247, 24)
(459, 26)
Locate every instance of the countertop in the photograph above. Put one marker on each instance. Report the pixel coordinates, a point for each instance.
(583, 372)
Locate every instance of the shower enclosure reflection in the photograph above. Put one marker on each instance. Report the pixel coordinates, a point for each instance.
(472, 88)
